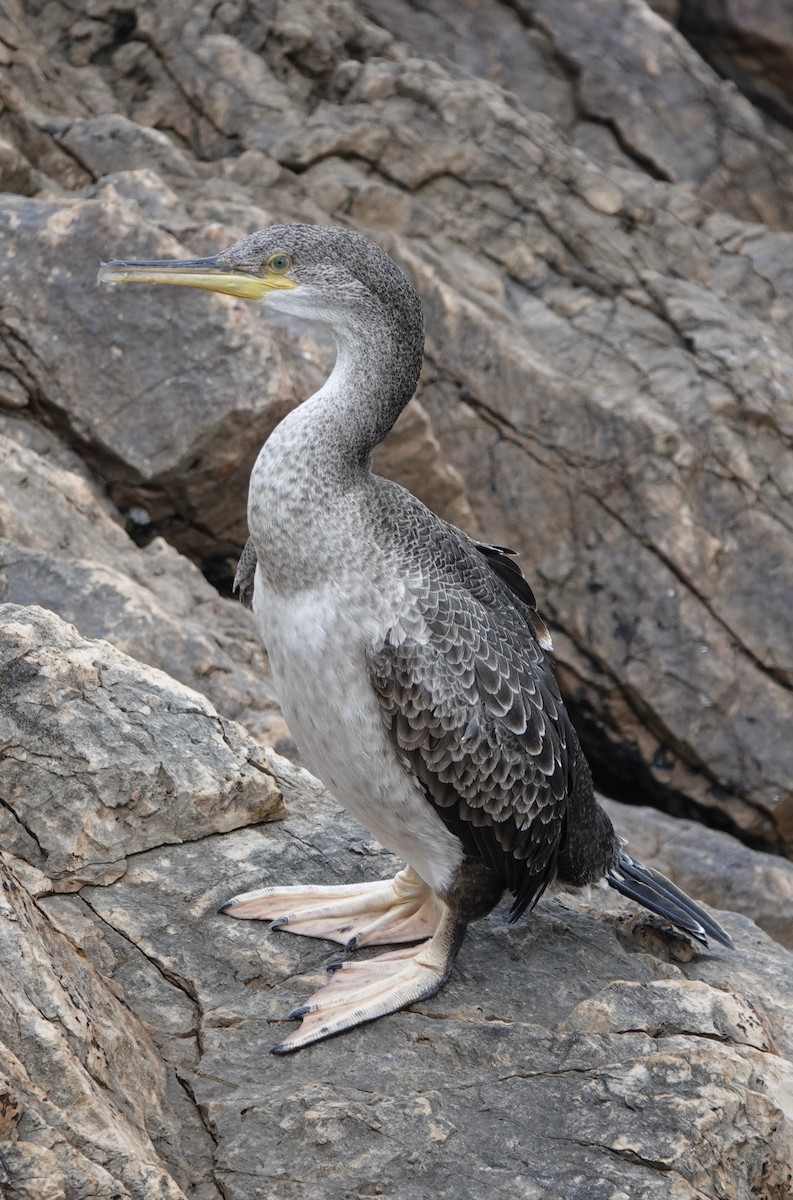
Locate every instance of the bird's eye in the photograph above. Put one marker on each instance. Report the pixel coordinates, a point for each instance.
(279, 263)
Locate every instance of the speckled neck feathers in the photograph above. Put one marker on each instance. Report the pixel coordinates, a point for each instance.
(313, 470)
(375, 374)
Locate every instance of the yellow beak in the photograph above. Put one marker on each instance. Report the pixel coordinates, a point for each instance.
(212, 274)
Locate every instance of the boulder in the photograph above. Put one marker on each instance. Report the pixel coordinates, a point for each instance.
(95, 744)
(87, 1106)
(63, 547)
(585, 1052)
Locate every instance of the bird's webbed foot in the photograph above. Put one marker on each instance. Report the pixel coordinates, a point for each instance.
(402, 909)
(363, 991)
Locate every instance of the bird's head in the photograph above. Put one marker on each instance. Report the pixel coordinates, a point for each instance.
(319, 272)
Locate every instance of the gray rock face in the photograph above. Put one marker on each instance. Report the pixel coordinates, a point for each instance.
(62, 547)
(95, 744)
(629, 90)
(70, 1123)
(582, 1053)
(75, 350)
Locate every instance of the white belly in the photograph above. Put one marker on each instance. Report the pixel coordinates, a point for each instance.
(316, 642)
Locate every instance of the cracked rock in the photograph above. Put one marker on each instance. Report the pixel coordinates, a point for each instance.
(628, 89)
(96, 745)
(95, 1111)
(562, 1058)
(578, 1054)
(62, 547)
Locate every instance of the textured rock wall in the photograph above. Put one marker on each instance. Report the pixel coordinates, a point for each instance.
(582, 1054)
(71, 1125)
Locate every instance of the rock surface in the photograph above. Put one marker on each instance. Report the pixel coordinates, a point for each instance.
(62, 547)
(584, 1053)
(87, 1106)
(610, 366)
(648, 1070)
(628, 90)
(95, 745)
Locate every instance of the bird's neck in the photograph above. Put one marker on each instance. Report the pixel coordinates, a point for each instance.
(374, 376)
(318, 457)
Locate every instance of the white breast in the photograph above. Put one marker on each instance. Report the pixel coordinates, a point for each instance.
(317, 640)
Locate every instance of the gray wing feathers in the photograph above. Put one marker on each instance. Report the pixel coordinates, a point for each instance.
(502, 561)
(474, 710)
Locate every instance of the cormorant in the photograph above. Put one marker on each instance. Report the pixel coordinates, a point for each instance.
(410, 660)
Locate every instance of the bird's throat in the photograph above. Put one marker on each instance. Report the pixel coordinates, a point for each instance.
(312, 473)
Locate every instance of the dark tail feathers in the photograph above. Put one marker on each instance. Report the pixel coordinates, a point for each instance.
(653, 890)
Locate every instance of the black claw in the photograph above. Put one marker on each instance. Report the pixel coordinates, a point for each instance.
(300, 1011)
(334, 966)
(277, 922)
(225, 907)
(282, 1049)
(351, 945)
